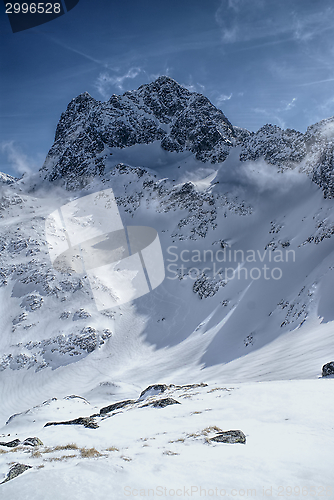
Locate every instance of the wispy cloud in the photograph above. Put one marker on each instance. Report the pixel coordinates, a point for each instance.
(105, 82)
(245, 20)
(267, 178)
(76, 51)
(242, 20)
(305, 28)
(222, 98)
(272, 115)
(19, 161)
(193, 86)
(290, 104)
(316, 82)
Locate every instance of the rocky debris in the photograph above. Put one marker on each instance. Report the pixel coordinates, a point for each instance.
(206, 286)
(328, 369)
(152, 390)
(88, 422)
(190, 386)
(161, 403)
(324, 230)
(15, 471)
(74, 345)
(116, 406)
(34, 441)
(81, 314)
(32, 302)
(11, 444)
(231, 437)
(149, 394)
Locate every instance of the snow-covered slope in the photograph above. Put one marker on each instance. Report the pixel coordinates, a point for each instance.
(247, 240)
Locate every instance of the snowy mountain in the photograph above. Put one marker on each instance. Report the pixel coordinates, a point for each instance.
(246, 225)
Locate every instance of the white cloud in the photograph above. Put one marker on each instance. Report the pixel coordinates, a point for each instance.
(246, 20)
(19, 161)
(275, 113)
(267, 177)
(105, 82)
(316, 82)
(223, 97)
(290, 104)
(76, 51)
(194, 87)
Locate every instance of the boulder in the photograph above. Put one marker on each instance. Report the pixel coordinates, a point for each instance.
(231, 437)
(151, 390)
(15, 471)
(11, 444)
(34, 441)
(87, 422)
(162, 403)
(328, 369)
(116, 406)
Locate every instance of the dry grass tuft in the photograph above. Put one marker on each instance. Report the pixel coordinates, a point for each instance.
(47, 450)
(204, 432)
(212, 428)
(194, 435)
(112, 448)
(90, 453)
(70, 446)
(35, 454)
(59, 459)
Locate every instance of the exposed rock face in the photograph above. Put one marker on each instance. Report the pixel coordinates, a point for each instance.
(319, 140)
(283, 148)
(6, 179)
(179, 120)
(160, 111)
(31, 441)
(15, 471)
(87, 422)
(162, 403)
(73, 345)
(11, 444)
(116, 406)
(152, 390)
(328, 369)
(231, 437)
(34, 441)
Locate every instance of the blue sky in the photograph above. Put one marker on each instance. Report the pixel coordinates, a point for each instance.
(260, 61)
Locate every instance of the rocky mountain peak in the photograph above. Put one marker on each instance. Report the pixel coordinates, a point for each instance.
(89, 133)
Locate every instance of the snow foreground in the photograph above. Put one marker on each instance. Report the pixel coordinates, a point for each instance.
(246, 307)
(166, 452)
